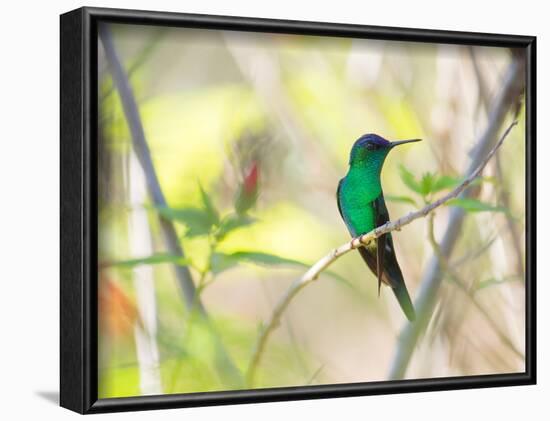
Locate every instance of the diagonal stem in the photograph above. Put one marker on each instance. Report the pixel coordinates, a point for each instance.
(314, 271)
(227, 368)
(513, 85)
(143, 154)
(503, 195)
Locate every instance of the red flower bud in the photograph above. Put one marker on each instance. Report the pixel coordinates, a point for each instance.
(251, 179)
(248, 191)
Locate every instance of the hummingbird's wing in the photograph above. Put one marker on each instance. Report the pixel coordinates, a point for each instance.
(382, 217)
(374, 262)
(381, 259)
(348, 224)
(338, 199)
(375, 257)
(391, 272)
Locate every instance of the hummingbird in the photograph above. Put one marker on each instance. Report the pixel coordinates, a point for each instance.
(362, 207)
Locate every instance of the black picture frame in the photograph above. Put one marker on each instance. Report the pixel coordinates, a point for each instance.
(79, 112)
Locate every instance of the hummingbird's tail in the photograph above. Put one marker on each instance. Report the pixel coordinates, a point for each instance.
(393, 277)
(404, 300)
(392, 272)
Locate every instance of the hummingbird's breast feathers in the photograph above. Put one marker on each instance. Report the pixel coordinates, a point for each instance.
(355, 198)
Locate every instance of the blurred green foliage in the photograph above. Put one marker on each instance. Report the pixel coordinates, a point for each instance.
(249, 135)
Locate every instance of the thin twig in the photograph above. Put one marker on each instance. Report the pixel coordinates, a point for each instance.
(141, 58)
(503, 195)
(315, 375)
(504, 199)
(475, 253)
(314, 271)
(453, 276)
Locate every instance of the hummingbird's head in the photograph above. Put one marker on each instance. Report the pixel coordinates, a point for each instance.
(373, 149)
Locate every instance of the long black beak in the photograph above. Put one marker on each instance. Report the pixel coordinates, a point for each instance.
(401, 142)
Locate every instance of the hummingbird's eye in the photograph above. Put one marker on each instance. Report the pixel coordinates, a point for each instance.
(371, 146)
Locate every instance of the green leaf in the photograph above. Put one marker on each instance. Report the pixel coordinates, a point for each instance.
(233, 222)
(402, 199)
(222, 261)
(197, 221)
(474, 205)
(409, 180)
(209, 207)
(265, 258)
(155, 259)
(271, 259)
(445, 182)
(183, 215)
(429, 183)
(426, 183)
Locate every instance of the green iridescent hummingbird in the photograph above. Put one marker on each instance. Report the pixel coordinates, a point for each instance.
(362, 207)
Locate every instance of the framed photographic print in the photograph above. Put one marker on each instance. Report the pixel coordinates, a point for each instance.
(257, 210)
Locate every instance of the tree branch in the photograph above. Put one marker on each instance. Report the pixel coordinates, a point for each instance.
(503, 195)
(227, 369)
(314, 271)
(513, 84)
(143, 153)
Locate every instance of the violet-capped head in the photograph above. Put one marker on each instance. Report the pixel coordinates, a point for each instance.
(373, 149)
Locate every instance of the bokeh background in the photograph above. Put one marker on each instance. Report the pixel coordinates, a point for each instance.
(249, 134)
